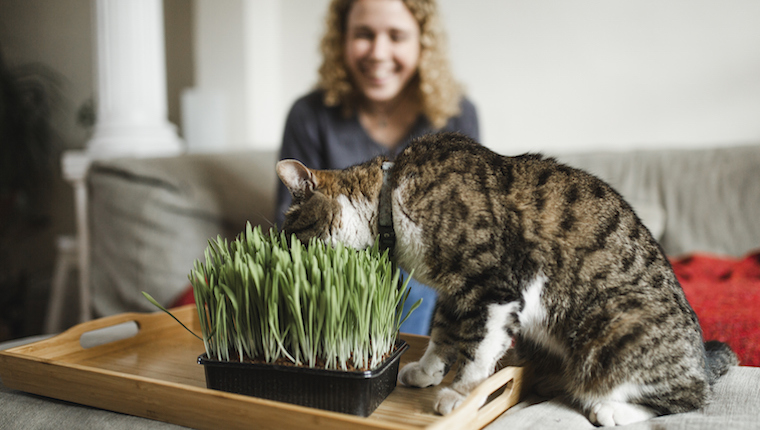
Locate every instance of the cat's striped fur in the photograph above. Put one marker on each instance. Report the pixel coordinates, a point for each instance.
(526, 253)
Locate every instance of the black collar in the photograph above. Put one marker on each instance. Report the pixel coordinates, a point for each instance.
(385, 213)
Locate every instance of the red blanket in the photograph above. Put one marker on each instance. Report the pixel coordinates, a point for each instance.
(725, 294)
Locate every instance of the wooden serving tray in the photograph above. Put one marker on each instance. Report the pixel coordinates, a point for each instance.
(154, 374)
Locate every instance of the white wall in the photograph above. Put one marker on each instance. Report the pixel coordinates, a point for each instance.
(556, 75)
(220, 66)
(548, 75)
(559, 76)
(302, 29)
(259, 56)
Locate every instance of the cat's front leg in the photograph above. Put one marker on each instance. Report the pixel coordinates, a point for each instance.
(439, 356)
(480, 355)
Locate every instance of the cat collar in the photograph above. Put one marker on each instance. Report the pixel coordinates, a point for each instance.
(385, 214)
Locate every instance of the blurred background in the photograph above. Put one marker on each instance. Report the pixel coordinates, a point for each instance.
(546, 75)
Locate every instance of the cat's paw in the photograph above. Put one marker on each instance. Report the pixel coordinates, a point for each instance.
(618, 413)
(448, 400)
(414, 375)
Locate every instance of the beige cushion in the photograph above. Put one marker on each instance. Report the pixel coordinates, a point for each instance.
(151, 219)
(701, 200)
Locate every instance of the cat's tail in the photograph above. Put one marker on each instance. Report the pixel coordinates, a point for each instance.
(718, 359)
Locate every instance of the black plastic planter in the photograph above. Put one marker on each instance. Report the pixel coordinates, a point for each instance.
(357, 393)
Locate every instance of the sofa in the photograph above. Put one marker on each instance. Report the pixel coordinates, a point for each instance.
(150, 219)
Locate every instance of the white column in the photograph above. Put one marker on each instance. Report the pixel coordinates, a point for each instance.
(131, 76)
(132, 109)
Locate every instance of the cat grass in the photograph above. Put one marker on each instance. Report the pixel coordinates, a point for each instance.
(267, 297)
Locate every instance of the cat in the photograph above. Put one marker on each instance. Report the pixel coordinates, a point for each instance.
(528, 255)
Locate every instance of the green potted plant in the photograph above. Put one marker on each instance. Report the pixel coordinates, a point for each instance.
(309, 324)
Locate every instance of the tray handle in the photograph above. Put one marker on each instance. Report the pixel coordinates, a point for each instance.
(474, 412)
(143, 320)
(146, 324)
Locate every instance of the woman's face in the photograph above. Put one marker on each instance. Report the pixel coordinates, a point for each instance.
(382, 47)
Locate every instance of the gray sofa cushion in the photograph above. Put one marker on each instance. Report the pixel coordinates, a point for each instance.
(708, 200)
(150, 219)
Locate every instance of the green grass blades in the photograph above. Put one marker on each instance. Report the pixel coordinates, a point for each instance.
(266, 296)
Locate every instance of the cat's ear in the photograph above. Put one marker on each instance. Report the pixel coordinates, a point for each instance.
(298, 178)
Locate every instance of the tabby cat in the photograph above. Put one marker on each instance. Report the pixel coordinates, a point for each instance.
(530, 254)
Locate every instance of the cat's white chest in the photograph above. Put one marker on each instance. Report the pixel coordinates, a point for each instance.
(534, 318)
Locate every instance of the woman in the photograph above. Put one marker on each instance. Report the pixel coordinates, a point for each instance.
(384, 80)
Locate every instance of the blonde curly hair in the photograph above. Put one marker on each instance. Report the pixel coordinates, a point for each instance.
(438, 92)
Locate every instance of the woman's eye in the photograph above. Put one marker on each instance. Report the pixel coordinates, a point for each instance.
(399, 36)
(363, 34)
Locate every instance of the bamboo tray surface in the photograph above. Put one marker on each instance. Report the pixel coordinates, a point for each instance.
(154, 374)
